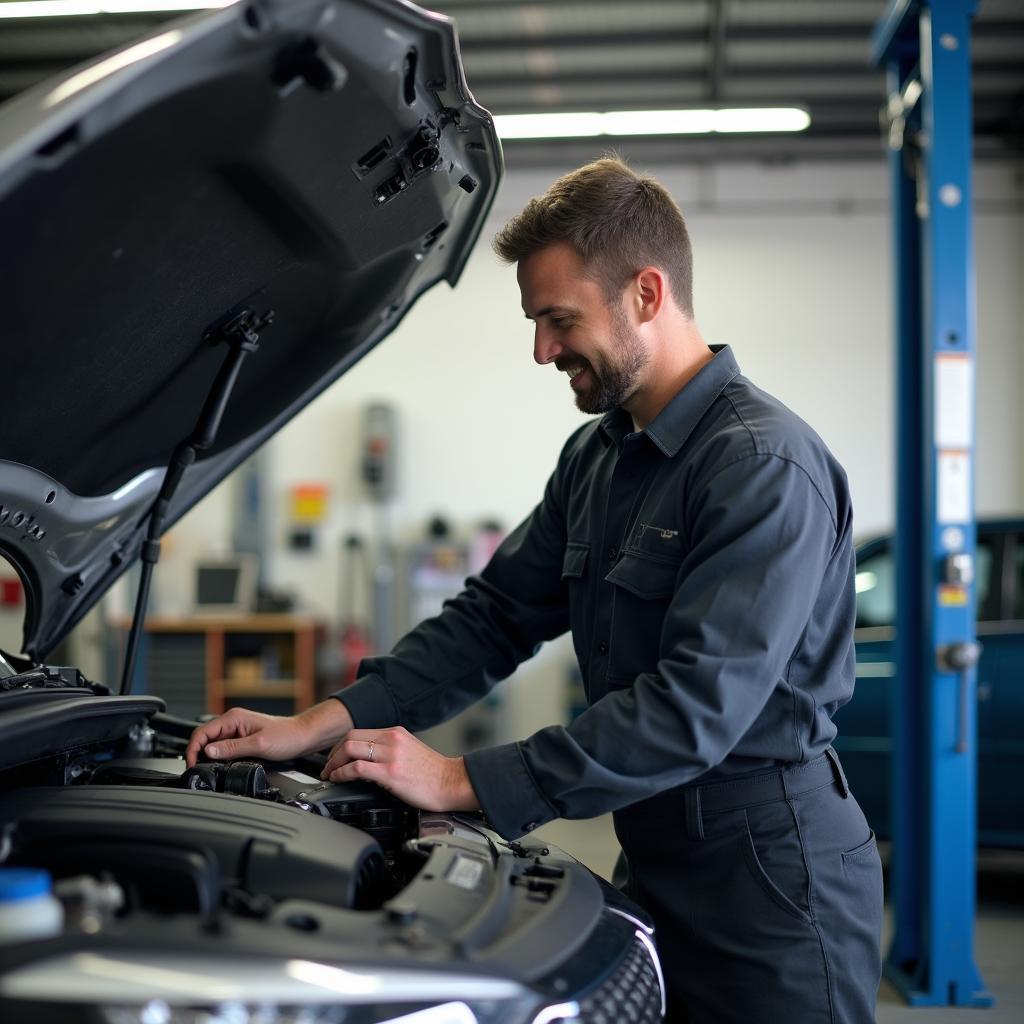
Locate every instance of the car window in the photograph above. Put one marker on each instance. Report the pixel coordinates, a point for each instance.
(875, 584)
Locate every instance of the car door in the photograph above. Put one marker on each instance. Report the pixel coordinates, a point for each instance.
(1001, 704)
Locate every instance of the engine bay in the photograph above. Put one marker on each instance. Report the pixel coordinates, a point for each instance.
(135, 841)
(220, 834)
(258, 869)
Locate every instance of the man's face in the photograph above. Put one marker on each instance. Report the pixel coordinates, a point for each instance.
(587, 338)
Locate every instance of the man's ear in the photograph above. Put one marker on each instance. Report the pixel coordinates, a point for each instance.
(650, 291)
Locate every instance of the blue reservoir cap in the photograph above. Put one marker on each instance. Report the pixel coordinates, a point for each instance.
(23, 884)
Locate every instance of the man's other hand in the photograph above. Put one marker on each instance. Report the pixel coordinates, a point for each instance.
(242, 733)
(405, 766)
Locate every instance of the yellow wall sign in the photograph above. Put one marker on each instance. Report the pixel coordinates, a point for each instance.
(308, 503)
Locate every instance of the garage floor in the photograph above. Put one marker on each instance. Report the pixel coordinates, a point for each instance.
(999, 938)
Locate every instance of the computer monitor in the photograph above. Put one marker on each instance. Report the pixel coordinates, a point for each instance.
(226, 586)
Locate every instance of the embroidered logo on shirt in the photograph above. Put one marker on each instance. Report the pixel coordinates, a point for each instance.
(662, 532)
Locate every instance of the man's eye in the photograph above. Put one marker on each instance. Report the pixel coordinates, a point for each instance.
(562, 322)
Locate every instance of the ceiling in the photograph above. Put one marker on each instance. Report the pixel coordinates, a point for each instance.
(562, 55)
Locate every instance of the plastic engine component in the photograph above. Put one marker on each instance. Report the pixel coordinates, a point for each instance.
(276, 851)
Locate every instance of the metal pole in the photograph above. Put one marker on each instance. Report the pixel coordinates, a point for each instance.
(925, 46)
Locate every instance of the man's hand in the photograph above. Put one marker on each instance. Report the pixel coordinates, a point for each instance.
(241, 733)
(405, 766)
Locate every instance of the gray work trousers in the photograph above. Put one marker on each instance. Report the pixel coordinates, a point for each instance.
(766, 895)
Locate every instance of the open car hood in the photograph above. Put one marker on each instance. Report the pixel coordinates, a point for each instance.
(322, 160)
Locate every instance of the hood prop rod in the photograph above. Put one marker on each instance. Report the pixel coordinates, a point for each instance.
(241, 333)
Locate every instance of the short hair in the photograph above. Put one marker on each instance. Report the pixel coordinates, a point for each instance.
(617, 221)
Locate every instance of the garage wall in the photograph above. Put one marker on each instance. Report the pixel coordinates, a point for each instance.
(793, 269)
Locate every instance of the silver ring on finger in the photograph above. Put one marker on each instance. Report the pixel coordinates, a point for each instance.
(369, 753)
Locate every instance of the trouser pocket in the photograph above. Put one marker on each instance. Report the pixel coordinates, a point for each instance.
(775, 858)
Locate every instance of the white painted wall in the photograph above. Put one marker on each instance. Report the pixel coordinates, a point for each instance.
(793, 268)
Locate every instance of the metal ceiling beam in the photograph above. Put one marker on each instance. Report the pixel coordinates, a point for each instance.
(456, 7)
(809, 34)
(799, 79)
(806, 75)
(716, 40)
(806, 78)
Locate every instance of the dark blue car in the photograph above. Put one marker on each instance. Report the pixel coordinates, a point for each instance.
(865, 734)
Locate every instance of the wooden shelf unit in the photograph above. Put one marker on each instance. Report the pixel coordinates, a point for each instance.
(233, 688)
(175, 650)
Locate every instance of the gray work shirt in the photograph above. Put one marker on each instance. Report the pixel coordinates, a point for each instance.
(705, 568)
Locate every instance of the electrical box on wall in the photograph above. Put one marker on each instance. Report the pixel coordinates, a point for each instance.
(379, 465)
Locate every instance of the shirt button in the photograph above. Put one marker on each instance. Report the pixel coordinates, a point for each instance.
(613, 553)
(529, 826)
(602, 647)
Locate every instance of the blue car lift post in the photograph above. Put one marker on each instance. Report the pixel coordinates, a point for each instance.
(924, 45)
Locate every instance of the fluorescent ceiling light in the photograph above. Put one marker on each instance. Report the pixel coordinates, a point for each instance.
(73, 8)
(652, 122)
(762, 119)
(549, 126)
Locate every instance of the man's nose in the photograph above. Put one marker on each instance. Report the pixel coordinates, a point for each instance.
(546, 349)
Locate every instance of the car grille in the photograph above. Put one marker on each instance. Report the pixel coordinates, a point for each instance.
(630, 995)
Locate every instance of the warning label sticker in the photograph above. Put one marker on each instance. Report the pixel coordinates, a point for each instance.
(464, 872)
(954, 405)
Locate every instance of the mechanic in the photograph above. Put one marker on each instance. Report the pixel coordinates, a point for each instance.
(696, 539)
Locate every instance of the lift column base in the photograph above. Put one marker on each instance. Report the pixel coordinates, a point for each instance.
(914, 994)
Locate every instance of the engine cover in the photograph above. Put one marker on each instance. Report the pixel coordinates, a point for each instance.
(204, 841)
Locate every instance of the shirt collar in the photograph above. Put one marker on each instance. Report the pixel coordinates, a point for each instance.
(674, 424)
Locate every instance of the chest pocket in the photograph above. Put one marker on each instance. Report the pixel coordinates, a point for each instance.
(644, 585)
(574, 576)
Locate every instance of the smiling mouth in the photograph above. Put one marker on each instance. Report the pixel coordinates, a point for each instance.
(576, 375)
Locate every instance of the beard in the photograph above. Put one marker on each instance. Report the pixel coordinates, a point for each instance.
(615, 378)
